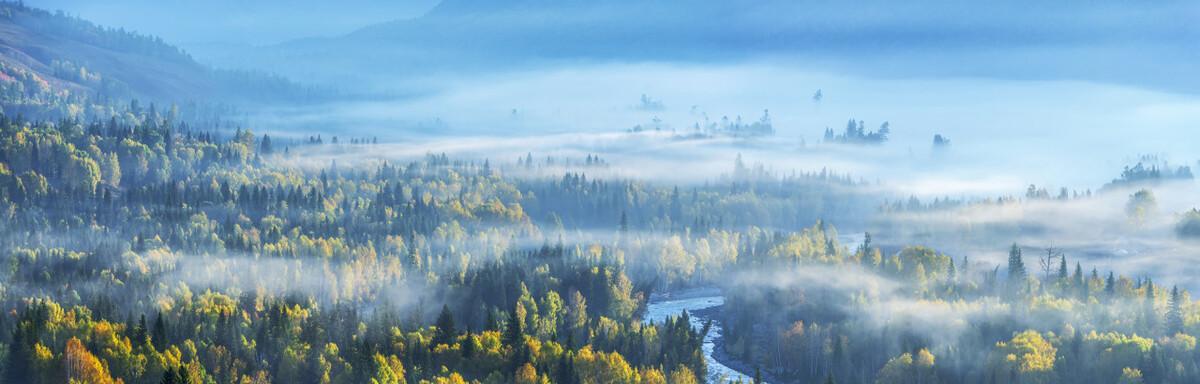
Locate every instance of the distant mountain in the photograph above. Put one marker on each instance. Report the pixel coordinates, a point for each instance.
(53, 61)
(1149, 45)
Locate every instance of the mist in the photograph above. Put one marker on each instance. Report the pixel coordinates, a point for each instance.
(1005, 135)
(621, 191)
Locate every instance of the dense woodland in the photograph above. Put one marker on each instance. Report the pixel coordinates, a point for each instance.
(143, 250)
(949, 320)
(161, 243)
(148, 251)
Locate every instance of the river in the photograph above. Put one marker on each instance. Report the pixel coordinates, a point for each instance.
(674, 303)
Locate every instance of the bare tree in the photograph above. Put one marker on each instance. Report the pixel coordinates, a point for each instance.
(1047, 261)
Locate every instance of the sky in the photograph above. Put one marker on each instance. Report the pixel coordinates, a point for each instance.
(196, 25)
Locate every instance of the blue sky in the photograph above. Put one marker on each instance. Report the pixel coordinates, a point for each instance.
(196, 23)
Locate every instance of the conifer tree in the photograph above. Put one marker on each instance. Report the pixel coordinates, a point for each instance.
(445, 327)
(1016, 269)
(1175, 312)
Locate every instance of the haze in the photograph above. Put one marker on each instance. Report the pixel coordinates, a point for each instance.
(625, 191)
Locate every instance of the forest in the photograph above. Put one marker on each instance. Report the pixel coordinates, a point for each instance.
(163, 221)
(148, 251)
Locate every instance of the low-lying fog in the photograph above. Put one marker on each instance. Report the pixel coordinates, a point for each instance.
(1005, 134)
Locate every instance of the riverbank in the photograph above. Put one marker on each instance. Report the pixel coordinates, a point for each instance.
(685, 294)
(720, 355)
(703, 304)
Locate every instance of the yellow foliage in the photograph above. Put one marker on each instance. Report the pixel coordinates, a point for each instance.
(1130, 376)
(1030, 354)
(600, 367)
(653, 376)
(388, 370)
(907, 369)
(1180, 343)
(453, 378)
(83, 367)
(683, 375)
(526, 374)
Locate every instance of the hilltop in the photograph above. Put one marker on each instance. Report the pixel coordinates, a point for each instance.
(1013, 40)
(52, 64)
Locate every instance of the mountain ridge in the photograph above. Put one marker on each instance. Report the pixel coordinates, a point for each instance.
(873, 37)
(49, 55)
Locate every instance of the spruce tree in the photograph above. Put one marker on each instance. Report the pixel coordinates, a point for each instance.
(445, 327)
(951, 272)
(566, 369)
(491, 323)
(514, 333)
(1016, 268)
(19, 359)
(1150, 315)
(468, 346)
(168, 376)
(1175, 313)
(1110, 285)
(159, 335)
(139, 332)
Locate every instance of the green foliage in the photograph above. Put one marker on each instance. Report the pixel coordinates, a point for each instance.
(1029, 355)
(155, 252)
(1189, 225)
(1141, 205)
(908, 369)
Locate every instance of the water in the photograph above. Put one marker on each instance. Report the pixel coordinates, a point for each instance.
(660, 307)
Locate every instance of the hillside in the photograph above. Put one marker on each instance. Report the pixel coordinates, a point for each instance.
(1005, 40)
(51, 62)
